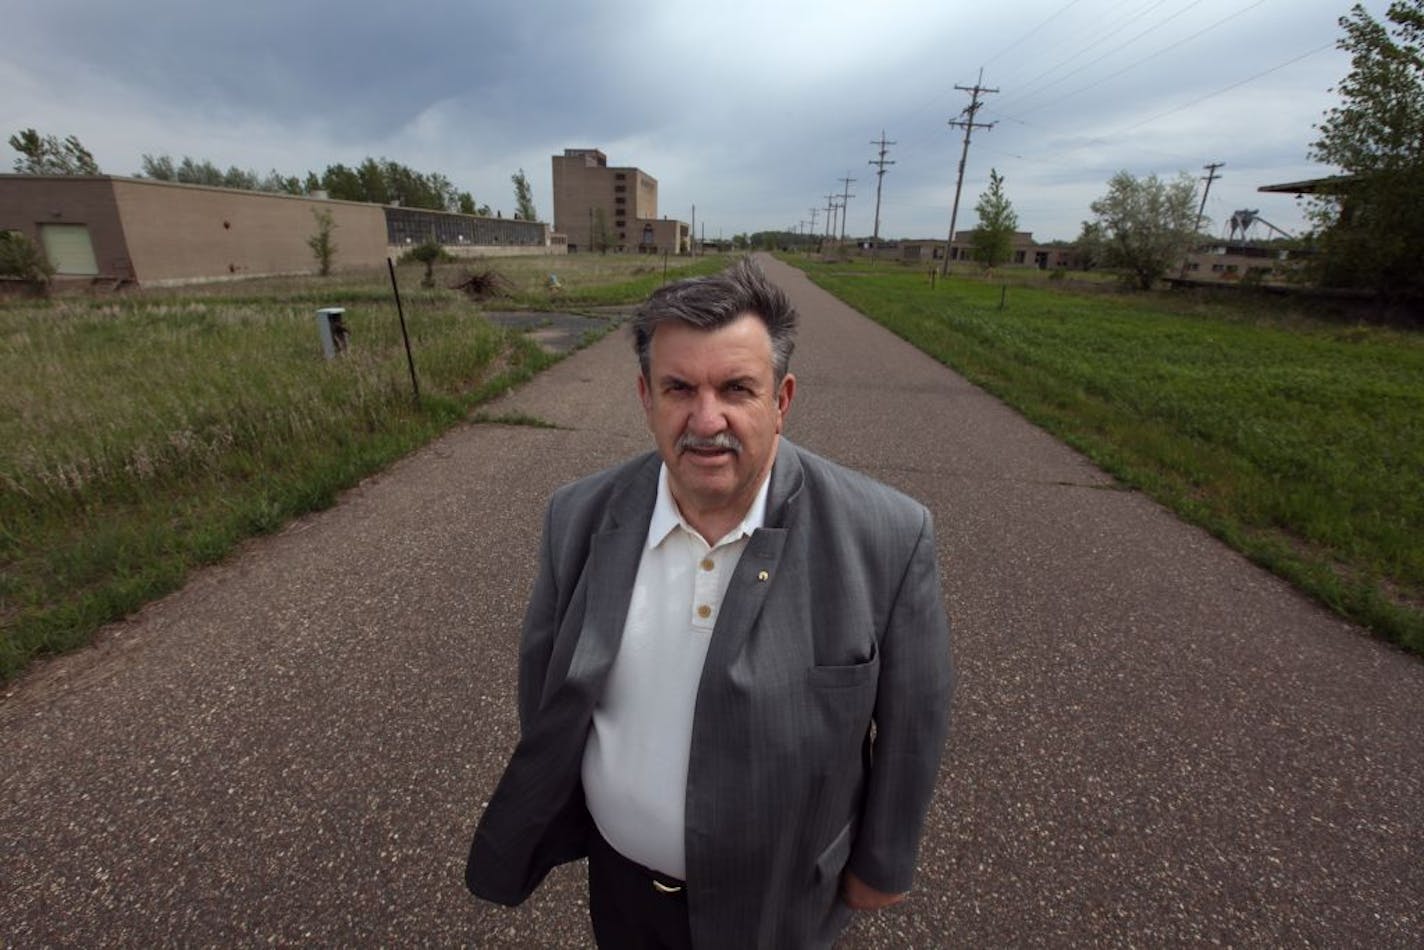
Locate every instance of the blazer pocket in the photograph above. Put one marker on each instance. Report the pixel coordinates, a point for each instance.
(833, 859)
(846, 677)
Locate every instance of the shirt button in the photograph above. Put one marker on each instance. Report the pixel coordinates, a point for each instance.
(707, 564)
(704, 611)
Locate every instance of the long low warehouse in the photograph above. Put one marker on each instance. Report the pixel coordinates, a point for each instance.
(156, 232)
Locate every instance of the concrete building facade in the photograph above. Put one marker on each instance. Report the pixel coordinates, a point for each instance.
(601, 208)
(1024, 251)
(150, 232)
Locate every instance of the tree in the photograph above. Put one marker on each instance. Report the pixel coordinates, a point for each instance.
(602, 236)
(1090, 246)
(1148, 224)
(465, 204)
(994, 235)
(523, 197)
(1370, 233)
(322, 246)
(157, 167)
(428, 253)
(47, 155)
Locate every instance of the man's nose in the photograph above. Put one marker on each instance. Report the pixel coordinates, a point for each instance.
(707, 416)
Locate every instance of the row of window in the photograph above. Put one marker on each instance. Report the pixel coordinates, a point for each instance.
(414, 226)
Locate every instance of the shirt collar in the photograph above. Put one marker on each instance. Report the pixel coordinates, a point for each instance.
(667, 517)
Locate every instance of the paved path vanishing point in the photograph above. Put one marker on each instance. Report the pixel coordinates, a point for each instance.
(1154, 743)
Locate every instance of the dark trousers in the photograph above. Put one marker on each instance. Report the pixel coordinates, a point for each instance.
(629, 910)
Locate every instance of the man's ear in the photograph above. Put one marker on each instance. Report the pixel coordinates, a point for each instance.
(784, 394)
(645, 393)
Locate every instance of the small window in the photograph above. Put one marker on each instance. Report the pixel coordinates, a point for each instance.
(69, 249)
(619, 176)
(620, 188)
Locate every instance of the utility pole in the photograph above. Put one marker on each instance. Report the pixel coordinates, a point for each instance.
(968, 124)
(692, 234)
(880, 164)
(845, 200)
(815, 213)
(830, 216)
(1210, 177)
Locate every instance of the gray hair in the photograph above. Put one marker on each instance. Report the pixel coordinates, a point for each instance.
(709, 303)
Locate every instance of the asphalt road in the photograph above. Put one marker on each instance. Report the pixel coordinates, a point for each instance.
(1154, 742)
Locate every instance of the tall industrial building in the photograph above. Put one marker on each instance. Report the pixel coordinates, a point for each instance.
(616, 209)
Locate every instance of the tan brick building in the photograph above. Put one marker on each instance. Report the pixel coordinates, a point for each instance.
(156, 232)
(601, 208)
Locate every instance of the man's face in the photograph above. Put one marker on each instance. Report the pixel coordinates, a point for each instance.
(715, 413)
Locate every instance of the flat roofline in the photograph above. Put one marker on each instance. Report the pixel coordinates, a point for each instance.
(1329, 185)
(249, 192)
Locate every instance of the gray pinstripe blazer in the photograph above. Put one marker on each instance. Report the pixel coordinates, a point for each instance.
(788, 784)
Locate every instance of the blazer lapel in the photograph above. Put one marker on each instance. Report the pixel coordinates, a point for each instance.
(613, 558)
(758, 568)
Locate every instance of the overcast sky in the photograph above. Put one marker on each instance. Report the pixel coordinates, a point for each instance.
(750, 109)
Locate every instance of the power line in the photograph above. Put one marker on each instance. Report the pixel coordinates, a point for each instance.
(1129, 19)
(1225, 89)
(1049, 19)
(1027, 88)
(968, 125)
(1110, 137)
(1151, 57)
(1116, 49)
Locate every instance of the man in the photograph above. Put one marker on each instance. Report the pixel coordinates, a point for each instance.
(734, 673)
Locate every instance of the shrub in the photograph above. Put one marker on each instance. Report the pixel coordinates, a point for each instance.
(21, 257)
(428, 254)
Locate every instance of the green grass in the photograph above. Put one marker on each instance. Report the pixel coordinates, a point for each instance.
(145, 433)
(1297, 440)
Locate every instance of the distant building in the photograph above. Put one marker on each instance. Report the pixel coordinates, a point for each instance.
(1024, 251)
(1222, 262)
(151, 232)
(600, 208)
(1250, 262)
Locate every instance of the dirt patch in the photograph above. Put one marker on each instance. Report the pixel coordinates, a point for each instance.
(559, 332)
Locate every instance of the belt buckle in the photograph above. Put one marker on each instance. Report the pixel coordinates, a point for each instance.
(662, 888)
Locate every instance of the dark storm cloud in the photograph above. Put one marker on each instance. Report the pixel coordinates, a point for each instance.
(362, 70)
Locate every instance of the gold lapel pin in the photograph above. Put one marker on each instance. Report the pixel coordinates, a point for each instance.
(763, 576)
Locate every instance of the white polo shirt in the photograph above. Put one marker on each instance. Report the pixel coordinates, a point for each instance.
(635, 761)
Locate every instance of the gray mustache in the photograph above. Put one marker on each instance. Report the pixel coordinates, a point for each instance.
(722, 440)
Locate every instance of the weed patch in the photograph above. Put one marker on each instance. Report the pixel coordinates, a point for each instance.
(146, 433)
